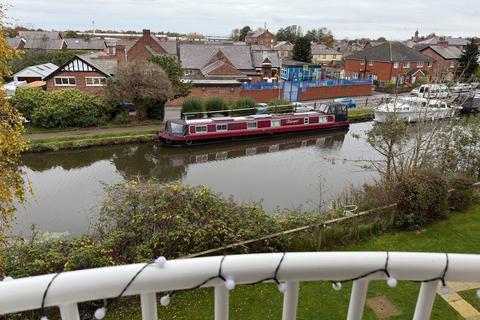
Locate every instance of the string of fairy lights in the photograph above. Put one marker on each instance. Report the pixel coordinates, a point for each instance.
(229, 282)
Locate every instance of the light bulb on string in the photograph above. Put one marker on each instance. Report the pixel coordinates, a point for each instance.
(165, 300)
(337, 286)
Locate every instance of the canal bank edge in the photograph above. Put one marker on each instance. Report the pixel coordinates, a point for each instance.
(69, 142)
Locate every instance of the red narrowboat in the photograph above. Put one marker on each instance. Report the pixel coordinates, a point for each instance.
(182, 132)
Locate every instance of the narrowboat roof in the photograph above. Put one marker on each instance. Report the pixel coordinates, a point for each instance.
(252, 117)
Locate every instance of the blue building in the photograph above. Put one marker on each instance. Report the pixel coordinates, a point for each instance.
(293, 70)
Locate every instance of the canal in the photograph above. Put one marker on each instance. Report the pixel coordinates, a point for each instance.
(293, 172)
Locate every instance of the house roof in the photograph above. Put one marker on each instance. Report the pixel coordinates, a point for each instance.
(413, 71)
(31, 35)
(458, 41)
(85, 44)
(41, 70)
(170, 46)
(283, 45)
(323, 49)
(433, 40)
(101, 61)
(446, 52)
(390, 52)
(15, 42)
(256, 33)
(259, 57)
(196, 56)
(409, 43)
(45, 44)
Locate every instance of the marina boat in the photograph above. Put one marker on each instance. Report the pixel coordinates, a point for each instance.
(413, 109)
(182, 132)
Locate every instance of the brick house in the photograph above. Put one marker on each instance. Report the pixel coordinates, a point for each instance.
(147, 46)
(284, 49)
(266, 63)
(262, 38)
(214, 61)
(446, 60)
(321, 54)
(390, 61)
(87, 73)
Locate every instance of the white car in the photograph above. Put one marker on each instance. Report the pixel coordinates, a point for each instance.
(300, 107)
(461, 87)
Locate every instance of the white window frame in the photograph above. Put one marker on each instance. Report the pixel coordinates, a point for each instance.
(250, 123)
(362, 62)
(452, 64)
(420, 64)
(220, 126)
(63, 84)
(370, 63)
(201, 126)
(406, 64)
(99, 84)
(355, 75)
(277, 122)
(430, 64)
(396, 65)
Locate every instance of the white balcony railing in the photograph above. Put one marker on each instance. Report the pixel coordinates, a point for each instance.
(70, 288)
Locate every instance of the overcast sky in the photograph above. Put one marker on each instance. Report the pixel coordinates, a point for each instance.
(396, 20)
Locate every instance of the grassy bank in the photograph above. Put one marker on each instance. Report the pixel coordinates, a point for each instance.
(72, 142)
(317, 300)
(360, 115)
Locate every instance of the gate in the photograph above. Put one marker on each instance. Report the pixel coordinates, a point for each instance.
(290, 90)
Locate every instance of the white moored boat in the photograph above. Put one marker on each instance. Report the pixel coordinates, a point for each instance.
(413, 109)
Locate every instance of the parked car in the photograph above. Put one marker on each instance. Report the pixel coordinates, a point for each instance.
(461, 87)
(261, 108)
(431, 91)
(349, 102)
(301, 107)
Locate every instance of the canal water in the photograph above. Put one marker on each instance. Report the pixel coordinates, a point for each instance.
(293, 172)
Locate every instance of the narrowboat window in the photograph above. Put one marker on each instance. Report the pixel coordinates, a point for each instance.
(305, 120)
(275, 123)
(176, 128)
(251, 125)
(222, 127)
(201, 129)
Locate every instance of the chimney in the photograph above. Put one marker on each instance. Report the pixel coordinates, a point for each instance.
(147, 36)
(120, 52)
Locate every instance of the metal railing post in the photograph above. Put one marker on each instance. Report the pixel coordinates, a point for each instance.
(425, 301)
(357, 300)
(221, 302)
(290, 301)
(69, 312)
(149, 306)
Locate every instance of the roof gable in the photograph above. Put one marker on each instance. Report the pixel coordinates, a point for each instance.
(196, 56)
(446, 52)
(390, 52)
(76, 64)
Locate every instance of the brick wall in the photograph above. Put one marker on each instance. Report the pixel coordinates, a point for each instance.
(383, 70)
(261, 95)
(317, 93)
(79, 80)
(441, 66)
(139, 50)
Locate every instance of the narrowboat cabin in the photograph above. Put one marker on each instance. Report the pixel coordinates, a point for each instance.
(180, 132)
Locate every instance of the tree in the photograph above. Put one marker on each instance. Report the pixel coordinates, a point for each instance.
(12, 183)
(321, 36)
(141, 82)
(175, 73)
(34, 57)
(235, 35)
(243, 33)
(290, 33)
(469, 60)
(302, 50)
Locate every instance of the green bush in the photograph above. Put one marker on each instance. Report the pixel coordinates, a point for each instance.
(421, 198)
(193, 105)
(462, 195)
(215, 104)
(26, 100)
(243, 103)
(278, 102)
(156, 110)
(71, 108)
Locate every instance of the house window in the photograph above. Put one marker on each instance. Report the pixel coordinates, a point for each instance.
(452, 65)
(370, 63)
(395, 65)
(355, 75)
(406, 64)
(64, 81)
(222, 127)
(394, 79)
(251, 125)
(201, 129)
(362, 63)
(95, 81)
(430, 64)
(419, 64)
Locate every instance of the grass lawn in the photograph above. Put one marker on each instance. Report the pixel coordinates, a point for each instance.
(360, 114)
(72, 142)
(317, 300)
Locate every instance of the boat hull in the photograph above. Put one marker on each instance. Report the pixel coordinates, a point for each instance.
(169, 140)
(414, 116)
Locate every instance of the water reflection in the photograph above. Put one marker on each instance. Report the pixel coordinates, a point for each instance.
(281, 171)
